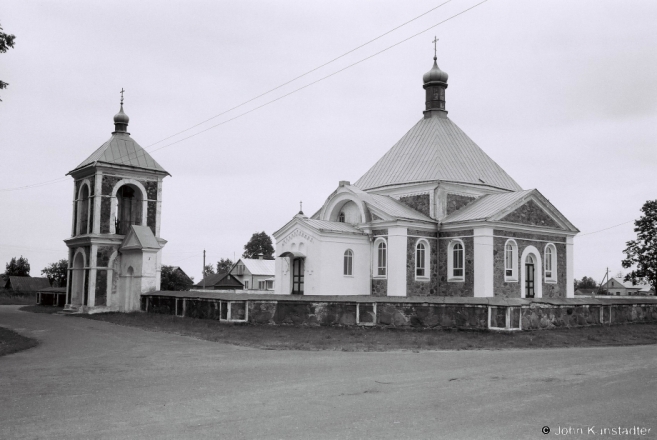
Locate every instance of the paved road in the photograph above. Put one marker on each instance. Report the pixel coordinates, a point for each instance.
(92, 379)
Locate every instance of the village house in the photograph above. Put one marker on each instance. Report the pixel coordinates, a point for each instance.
(219, 281)
(115, 244)
(255, 274)
(435, 216)
(618, 287)
(25, 284)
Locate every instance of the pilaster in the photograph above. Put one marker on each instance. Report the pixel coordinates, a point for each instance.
(484, 262)
(570, 268)
(397, 241)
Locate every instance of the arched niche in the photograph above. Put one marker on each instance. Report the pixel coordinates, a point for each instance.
(354, 210)
(129, 206)
(83, 201)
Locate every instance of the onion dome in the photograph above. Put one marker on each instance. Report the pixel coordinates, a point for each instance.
(435, 83)
(121, 121)
(435, 74)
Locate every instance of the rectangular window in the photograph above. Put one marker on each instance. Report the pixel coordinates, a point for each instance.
(246, 284)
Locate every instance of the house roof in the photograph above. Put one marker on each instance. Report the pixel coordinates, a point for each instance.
(27, 284)
(121, 149)
(626, 284)
(436, 149)
(219, 279)
(259, 267)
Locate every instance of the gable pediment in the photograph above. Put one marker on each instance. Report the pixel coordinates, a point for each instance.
(533, 214)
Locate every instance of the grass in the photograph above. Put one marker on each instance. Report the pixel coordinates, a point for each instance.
(42, 309)
(12, 342)
(380, 339)
(9, 299)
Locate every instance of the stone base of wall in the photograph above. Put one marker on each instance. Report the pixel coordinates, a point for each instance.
(400, 312)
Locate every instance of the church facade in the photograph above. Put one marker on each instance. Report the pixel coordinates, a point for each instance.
(114, 251)
(435, 216)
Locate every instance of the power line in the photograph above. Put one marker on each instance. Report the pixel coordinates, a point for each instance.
(300, 76)
(319, 80)
(290, 93)
(605, 229)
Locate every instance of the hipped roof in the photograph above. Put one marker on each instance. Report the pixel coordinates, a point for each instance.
(435, 149)
(122, 150)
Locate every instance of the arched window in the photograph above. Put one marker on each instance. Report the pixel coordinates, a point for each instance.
(381, 259)
(456, 261)
(129, 208)
(341, 217)
(421, 254)
(510, 261)
(83, 210)
(348, 262)
(550, 263)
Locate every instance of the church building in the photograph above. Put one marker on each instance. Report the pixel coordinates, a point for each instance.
(115, 244)
(435, 216)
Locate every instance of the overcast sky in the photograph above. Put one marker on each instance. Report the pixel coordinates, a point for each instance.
(561, 94)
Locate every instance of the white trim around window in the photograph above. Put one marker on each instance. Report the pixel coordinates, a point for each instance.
(455, 261)
(550, 261)
(422, 260)
(380, 258)
(511, 261)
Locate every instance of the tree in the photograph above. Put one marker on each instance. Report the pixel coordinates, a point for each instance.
(260, 243)
(224, 265)
(18, 267)
(586, 283)
(642, 252)
(172, 280)
(56, 273)
(6, 42)
(209, 270)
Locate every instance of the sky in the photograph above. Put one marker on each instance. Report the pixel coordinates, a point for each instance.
(561, 94)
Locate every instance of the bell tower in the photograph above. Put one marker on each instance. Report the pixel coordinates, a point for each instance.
(115, 244)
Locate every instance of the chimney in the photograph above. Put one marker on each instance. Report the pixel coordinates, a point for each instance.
(260, 256)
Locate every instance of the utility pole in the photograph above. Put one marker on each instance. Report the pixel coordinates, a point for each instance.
(203, 273)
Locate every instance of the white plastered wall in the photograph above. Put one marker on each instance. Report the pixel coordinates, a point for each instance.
(397, 242)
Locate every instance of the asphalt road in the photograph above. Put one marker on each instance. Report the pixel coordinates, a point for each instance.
(90, 379)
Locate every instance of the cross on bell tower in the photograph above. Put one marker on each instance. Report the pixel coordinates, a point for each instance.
(435, 83)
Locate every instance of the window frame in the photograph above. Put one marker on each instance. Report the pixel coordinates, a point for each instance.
(451, 277)
(348, 263)
(550, 263)
(426, 251)
(513, 264)
(377, 266)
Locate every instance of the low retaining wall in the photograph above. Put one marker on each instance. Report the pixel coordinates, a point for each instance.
(402, 312)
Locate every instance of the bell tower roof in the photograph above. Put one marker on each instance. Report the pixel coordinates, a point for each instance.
(435, 83)
(121, 150)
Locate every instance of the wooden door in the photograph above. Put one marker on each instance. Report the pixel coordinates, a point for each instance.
(529, 277)
(297, 276)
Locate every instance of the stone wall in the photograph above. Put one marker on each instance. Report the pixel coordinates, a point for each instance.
(456, 202)
(105, 212)
(463, 288)
(397, 312)
(419, 202)
(108, 184)
(513, 289)
(531, 214)
(101, 288)
(379, 287)
(430, 286)
(151, 215)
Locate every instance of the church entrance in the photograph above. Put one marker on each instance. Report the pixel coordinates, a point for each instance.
(529, 277)
(297, 276)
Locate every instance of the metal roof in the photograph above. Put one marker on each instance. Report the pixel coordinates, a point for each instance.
(485, 206)
(395, 208)
(121, 149)
(436, 149)
(324, 225)
(259, 267)
(26, 284)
